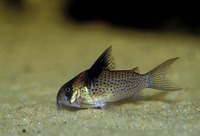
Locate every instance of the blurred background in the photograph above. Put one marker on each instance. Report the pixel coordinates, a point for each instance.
(45, 43)
(168, 16)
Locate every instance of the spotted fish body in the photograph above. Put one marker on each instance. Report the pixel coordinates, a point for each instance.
(100, 85)
(112, 86)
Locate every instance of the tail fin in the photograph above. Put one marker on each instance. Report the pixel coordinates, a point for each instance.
(158, 79)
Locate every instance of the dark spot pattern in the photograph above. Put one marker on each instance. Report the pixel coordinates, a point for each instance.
(112, 86)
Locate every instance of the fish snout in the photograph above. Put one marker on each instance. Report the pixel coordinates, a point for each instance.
(61, 98)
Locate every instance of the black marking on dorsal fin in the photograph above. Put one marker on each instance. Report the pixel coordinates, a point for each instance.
(104, 62)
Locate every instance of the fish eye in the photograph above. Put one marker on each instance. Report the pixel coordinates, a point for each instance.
(67, 89)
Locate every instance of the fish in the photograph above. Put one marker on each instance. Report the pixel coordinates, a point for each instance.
(101, 84)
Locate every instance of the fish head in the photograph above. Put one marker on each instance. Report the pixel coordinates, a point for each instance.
(64, 94)
(69, 93)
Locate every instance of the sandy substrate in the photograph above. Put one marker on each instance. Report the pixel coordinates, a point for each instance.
(37, 58)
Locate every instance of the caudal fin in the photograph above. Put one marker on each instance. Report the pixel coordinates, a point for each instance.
(158, 79)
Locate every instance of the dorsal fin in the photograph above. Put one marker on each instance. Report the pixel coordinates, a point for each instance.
(136, 70)
(104, 62)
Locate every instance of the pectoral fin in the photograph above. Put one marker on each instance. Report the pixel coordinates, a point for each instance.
(86, 105)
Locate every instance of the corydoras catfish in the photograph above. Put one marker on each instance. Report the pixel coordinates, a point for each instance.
(101, 84)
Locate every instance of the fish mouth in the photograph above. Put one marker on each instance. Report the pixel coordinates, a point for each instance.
(66, 101)
(62, 100)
